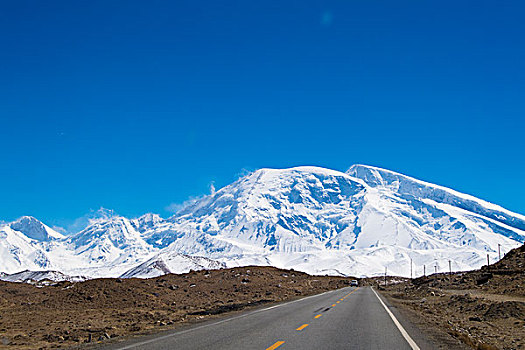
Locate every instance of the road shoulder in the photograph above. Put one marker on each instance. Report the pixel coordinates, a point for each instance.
(427, 335)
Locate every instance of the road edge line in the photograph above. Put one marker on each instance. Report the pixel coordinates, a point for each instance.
(404, 333)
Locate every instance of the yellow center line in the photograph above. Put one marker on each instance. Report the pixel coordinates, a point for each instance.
(302, 327)
(346, 296)
(318, 316)
(351, 292)
(276, 345)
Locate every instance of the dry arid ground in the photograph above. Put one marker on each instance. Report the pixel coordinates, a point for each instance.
(71, 314)
(484, 309)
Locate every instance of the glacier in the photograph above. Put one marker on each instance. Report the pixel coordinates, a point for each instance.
(355, 223)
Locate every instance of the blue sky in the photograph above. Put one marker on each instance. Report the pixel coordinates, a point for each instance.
(135, 105)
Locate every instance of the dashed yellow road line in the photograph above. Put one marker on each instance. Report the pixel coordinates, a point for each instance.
(280, 342)
(346, 296)
(351, 292)
(276, 345)
(302, 327)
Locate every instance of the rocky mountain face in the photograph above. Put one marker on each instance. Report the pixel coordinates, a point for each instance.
(311, 219)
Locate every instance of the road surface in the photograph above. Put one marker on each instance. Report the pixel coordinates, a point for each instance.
(348, 318)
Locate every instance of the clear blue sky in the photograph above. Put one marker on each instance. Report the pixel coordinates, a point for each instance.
(134, 105)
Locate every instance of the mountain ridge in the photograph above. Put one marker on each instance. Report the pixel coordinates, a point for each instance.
(354, 169)
(308, 218)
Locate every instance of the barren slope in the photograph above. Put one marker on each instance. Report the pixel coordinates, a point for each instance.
(69, 314)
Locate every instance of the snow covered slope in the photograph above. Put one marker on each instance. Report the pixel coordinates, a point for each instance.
(34, 229)
(311, 219)
(37, 276)
(412, 188)
(19, 252)
(169, 261)
(108, 247)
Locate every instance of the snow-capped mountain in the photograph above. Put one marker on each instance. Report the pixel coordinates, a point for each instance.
(323, 221)
(89, 219)
(34, 229)
(411, 188)
(19, 252)
(147, 222)
(311, 219)
(271, 216)
(106, 239)
(108, 247)
(24, 245)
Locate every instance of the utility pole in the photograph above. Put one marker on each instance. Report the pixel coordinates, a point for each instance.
(450, 267)
(385, 276)
(424, 271)
(435, 268)
(499, 251)
(488, 260)
(410, 268)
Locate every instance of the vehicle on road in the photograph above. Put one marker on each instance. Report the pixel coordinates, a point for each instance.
(354, 283)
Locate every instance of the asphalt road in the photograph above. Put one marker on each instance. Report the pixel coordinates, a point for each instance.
(347, 318)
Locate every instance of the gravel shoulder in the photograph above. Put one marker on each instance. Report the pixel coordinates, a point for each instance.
(482, 309)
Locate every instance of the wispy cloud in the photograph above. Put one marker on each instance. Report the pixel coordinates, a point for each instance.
(244, 172)
(78, 224)
(59, 229)
(174, 208)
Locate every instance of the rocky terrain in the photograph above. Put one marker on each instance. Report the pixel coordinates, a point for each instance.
(70, 314)
(484, 309)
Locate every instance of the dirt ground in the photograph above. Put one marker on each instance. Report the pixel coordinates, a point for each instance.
(70, 314)
(484, 309)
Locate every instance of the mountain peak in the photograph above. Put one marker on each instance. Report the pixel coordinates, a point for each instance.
(373, 176)
(150, 217)
(146, 222)
(35, 229)
(300, 169)
(94, 216)
(102, 213)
